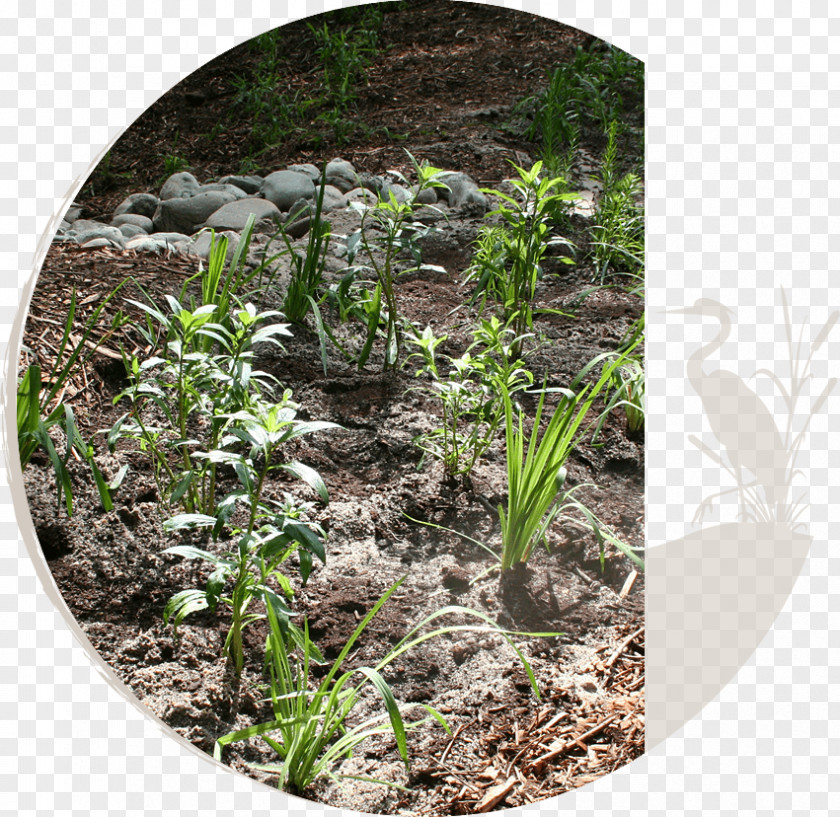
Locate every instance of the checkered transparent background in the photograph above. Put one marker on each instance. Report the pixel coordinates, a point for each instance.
(743, 138)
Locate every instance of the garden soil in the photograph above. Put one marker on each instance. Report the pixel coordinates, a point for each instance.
(507, 747)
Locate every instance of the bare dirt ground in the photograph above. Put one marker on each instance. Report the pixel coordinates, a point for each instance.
(444, 63)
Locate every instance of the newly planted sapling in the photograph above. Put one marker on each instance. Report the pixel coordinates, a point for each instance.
(618, 235)
(536, 464)
(40, 404)
(468, 390)
(181, 401)
(307, 268)
(508, 264)
(387, 229)
(266, 533)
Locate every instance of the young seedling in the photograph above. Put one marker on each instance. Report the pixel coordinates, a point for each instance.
(396, 230)
(508, 263)
(468, 391)
(536, 464)
(40, 405)
(270, 533)
(181, 401)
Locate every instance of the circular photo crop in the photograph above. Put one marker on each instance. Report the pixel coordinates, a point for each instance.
(331, 408)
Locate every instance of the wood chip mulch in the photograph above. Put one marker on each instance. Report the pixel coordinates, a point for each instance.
(557, 749)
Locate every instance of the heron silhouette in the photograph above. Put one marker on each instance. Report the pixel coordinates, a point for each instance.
(740, 421)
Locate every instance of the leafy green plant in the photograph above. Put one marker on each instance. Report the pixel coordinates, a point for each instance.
(310, 724)
(345, 54)
(270, 532)
(104, 177)
(508, 263)
(591, 89)
(618, 236)
(536, 464)
(468, 390)
(40, 405)
(181, 401)
(386, 229)
(223, 282)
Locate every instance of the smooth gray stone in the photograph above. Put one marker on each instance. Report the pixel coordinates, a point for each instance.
(141, 204)
(157, 243)
(400, 193)
(186, 215)
(131, 230)
(96, 243)
(73, 213)
(235, 191)
(427, 196)
(200, 244)
(298, 228)
(233, 216)
(363, 195)
(302, 208)
(249, 184)
(370, 182)
(80, 225)
(179, 186)
(342, 174)
(170, 238)
(308, 169)
(463, 193)
(334, 199)
(284, 187)
(110, 234)
(143, 222)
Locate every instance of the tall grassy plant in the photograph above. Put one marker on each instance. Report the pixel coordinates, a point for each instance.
(311, 730)
(40, 405)
(307, 267)
(535, 465)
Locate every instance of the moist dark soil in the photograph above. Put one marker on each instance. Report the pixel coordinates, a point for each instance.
(446, 82)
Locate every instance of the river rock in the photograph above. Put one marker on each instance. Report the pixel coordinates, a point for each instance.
(143, 222)
(101, 231)
(158, 242)
(363, 195)
(179, 186)
(234, 190)
(185, 215)
(141, 204)
(96, 243)
(284, 187)
(248, 184)
(427, 195)
(334, 199)
(370, 182)
(342, 174)
(131, 230)
(400, 193)
(73, 214)
(307, 169)
(462, 193)
(232, 216)
(80, 225)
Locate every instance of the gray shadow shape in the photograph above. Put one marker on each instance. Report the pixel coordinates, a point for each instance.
(714, 594)
(712, 597)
